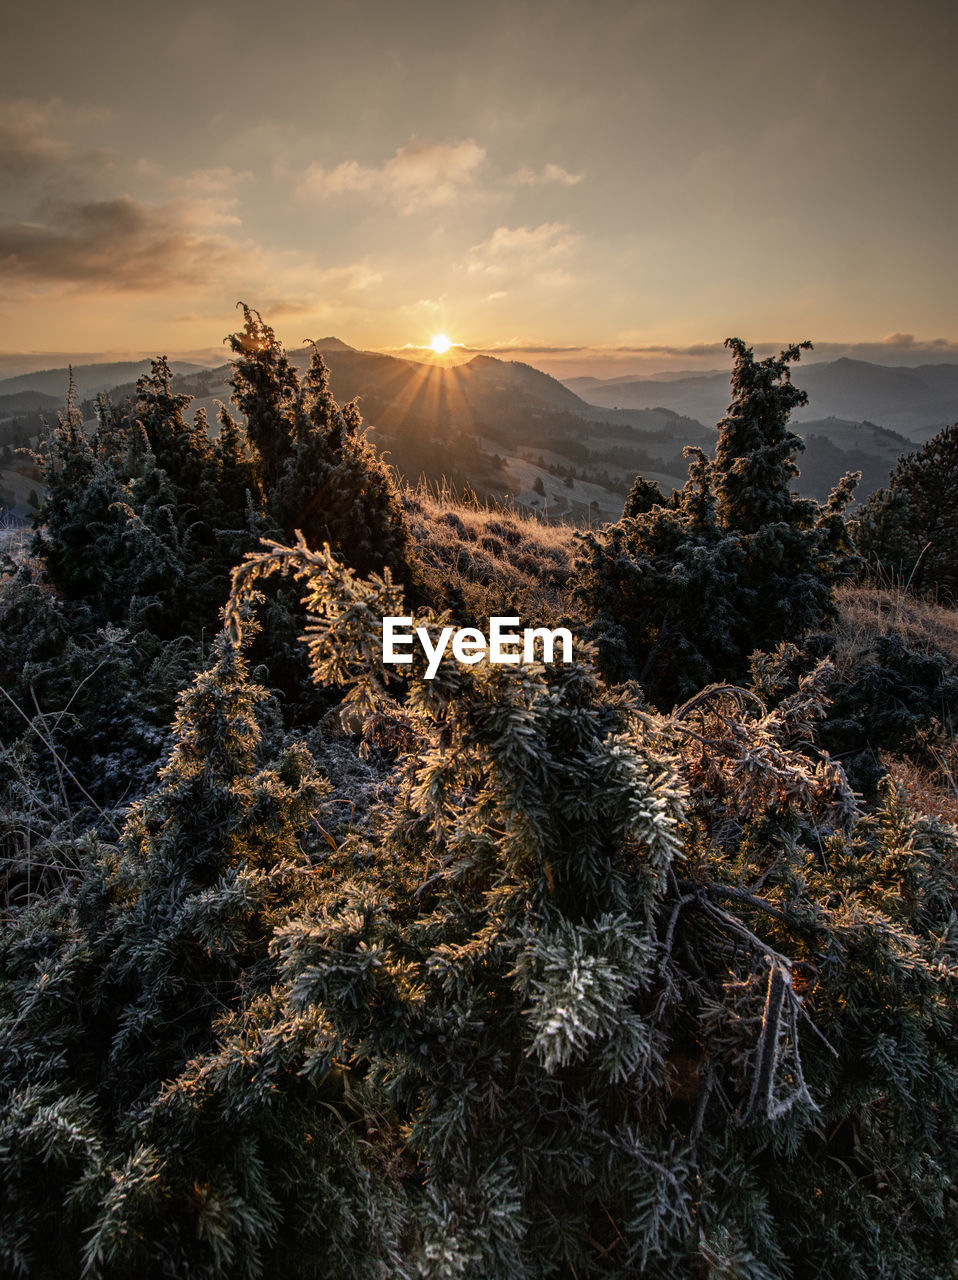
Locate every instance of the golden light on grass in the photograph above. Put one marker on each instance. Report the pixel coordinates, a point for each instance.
(440, 343)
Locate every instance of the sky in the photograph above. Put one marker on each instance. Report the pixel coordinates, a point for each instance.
(595, 188)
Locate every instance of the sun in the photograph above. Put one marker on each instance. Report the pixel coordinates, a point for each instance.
(440, 344)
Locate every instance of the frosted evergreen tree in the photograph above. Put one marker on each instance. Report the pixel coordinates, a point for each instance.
(680, 594)
(334, 487)
(181, 448)
(755, 455)
(909, 531)
(163, 1114)
(592, 962)
(265, 387)
(319, 474)
(108, 533)
(642, 497)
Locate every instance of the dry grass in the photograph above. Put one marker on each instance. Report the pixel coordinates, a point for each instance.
(864, 613)
(14, 537)
(499, 560)
(933, 793)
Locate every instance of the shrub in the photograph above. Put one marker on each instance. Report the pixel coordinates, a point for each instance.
(909, 531)
(681, 593)
(145, 516)
(161, 1114)
(575, 957)
(321, 476)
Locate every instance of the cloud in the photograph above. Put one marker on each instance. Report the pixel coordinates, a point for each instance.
(117, 245)
(527, 177)
(26, 144)
(218, 181)
(512, 250)
(904, 346)
(287, 307)
(310, 290)
(429, 305)
(357, 275)
(421, 175)
(654, 359)
(34, 147)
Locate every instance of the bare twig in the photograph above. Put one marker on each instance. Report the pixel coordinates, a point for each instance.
(61, 764)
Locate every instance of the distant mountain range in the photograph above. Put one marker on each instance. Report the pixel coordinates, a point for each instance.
(27, 402)
(488, 422)
(507, 427)
(917, 401)
(90, 379)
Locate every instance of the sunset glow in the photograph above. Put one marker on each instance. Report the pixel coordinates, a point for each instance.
(582, 242)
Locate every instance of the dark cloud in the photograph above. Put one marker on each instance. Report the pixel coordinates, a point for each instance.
(114, 245)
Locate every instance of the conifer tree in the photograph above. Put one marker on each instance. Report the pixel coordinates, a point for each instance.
(217, 845)
(680, 594)
(107, 530)
(182, 449)
(265, 387)
(319, 474)
(909, 531)
(145, 515)
(162, 1114)
(755, 453)
(217, 495)
(634, 986)
(334, 488)
(642, 497)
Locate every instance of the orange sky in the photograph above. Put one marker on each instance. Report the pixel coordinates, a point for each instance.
(620, 185)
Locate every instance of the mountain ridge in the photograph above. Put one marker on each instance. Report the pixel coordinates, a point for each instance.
(914, 400)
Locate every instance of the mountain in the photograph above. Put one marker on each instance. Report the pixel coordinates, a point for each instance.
(834, 446)
(332, 344)
(26, 402)
(915, 401)
(428, 391)
(90, 379)
(502, 426)
(524, 380)
(583, 384)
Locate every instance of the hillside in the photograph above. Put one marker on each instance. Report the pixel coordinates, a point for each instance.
(16, 402)
(914, 401)
(589, 961)
(89, 379)
(566, 451)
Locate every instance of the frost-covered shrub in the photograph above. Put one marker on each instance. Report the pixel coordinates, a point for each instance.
(893, 698)
(321, 475)
(680, 593)
(144, 516)
(909, 531)
(635, 988)
(163, 1112)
